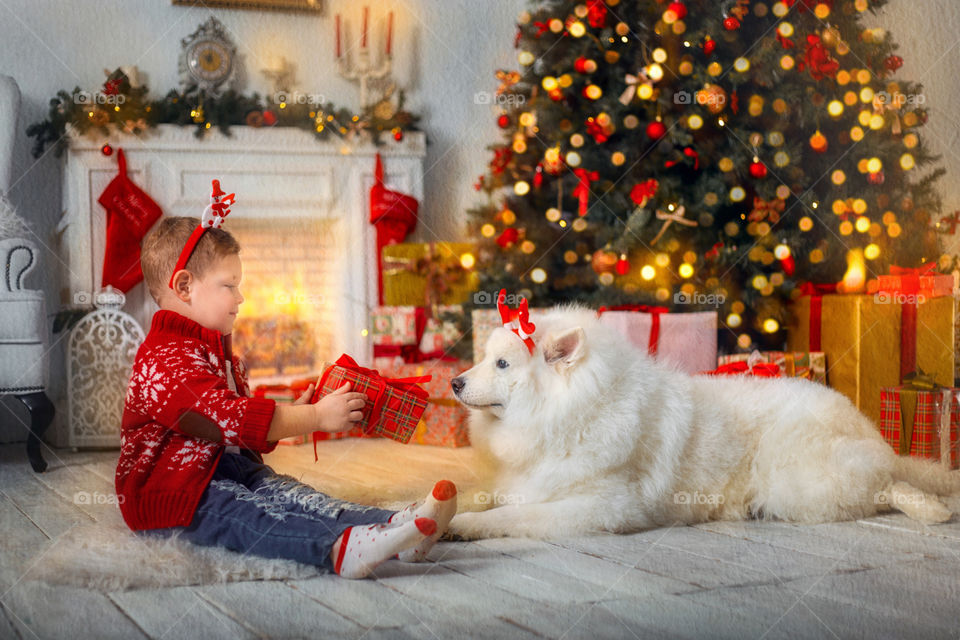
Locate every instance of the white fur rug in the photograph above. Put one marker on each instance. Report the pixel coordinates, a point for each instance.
(110, 557)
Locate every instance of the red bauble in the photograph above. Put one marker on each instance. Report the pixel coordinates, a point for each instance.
(789, 265)
(503, 121)
(678, 9)
(731, 24)
(656, 130)
(876, 178)
(709, 46)
(106, 150)
(758, 170)
(623, 265)
(893, 63)
(584, 65)
(508, 237)
(555, 94)
(398, 135)
(269, 118)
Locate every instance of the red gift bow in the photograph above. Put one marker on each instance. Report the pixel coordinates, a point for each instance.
(816, 293)
(655, 321)
(407, 385)
(762, 369)
(910, 276)
(582, 190)
(910, 284)
(393, 214)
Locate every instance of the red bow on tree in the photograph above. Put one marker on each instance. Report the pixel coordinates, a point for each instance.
(597, 13)
(582, 190)
(644, 191)
(688, 152)
(818, 59)
(501, 158)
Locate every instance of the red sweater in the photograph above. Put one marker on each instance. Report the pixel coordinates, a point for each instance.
(179, 416)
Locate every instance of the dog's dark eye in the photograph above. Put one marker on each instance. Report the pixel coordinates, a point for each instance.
(502, 364)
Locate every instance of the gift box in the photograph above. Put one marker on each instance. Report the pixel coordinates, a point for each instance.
(744, 368)
(922, 422)
(426, 274)
(871, 341)
(413, 334)
(393, 406)
(444, 423)
(686, 340)
(810, 365)
(284, 394)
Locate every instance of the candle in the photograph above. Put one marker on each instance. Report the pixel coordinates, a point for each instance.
(338, 35)
(389, 31)
(366, 16)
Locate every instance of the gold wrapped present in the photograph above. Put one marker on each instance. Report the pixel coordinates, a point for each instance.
(862, 337)
(427, 274)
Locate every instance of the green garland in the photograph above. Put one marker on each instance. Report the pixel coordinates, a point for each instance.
(128, 108)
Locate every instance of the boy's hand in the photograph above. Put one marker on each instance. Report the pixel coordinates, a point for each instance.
(338, 411)
(305, 398)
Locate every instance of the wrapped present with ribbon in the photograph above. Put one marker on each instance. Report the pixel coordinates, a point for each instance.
(444, 423)
(414, 334)
(809, 365)
(873, 341)
(744, 368)
(427, 274)
(923, 281)
(687, 340)
(393, 406)
(922, 419)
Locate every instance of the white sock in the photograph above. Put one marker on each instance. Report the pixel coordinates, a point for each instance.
(440, 506)
(362, 548)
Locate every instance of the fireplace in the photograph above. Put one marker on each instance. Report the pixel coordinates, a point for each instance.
(301, 218)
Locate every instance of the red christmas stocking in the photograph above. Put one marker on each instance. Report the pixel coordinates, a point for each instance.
(130, 214)
(394, 214)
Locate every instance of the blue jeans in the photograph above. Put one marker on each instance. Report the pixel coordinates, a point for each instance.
(250, 508)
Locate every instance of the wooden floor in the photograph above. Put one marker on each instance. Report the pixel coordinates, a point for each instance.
(882, 577)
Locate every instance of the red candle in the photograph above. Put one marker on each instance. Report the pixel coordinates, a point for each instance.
(366, 16)
(389, 31)
(338, 35)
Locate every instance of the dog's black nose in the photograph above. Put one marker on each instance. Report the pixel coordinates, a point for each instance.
(458, 384)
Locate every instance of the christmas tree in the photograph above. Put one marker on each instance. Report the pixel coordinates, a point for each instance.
(714, 155)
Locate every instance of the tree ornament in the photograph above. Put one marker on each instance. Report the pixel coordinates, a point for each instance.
(269, 118)
(731, 24)
(508, 237)
(656, 130)
(757, 169)
(876, 177)
(713, 96)
(709, 46)
(623, 265)
(892, 63)
(398, 134)
(584, 65)
(106, 150)
(643, 191)
(818, 142)
(675, 11)
(604, 261)
(597, 13)
(503, 121)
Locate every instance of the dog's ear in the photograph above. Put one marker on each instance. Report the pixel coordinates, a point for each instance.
(565, 349)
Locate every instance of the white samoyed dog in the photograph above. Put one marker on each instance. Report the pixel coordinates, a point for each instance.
(586, 434)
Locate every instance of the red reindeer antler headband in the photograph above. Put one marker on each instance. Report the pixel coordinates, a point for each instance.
(517, 320)
(212, 218)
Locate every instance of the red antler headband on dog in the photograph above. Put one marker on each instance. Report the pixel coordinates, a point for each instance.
(517, 320)
(212, 218)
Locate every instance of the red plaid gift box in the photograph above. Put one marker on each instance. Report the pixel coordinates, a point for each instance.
(444, 423)
(393, 407)
(923, 423)
(810, 365)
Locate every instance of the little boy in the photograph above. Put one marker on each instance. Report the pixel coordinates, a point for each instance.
(192, 438)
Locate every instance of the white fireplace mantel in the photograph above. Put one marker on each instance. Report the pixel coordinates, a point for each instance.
(276, 173)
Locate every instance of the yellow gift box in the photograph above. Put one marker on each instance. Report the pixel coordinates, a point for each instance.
(861, 336)
(427, 274)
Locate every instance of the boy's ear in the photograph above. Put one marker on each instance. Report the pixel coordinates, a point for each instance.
(182, 283)
(565, 349)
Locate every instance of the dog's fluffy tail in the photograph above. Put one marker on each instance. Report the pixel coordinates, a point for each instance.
(926, 475)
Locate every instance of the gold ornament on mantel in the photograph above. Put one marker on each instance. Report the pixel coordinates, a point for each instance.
(385, 108)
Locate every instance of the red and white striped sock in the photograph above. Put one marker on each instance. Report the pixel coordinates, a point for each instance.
(362, 548)
(440, 506)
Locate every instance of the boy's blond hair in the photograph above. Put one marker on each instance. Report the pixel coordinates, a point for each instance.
(162, 246)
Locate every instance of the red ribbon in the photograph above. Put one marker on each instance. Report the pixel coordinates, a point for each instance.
(643, 191)
(655, 321)
(407, 385)
(582, 190)
(909, 284)
(690, 153)
(816, 293)
(393, 214)
(762, 369)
